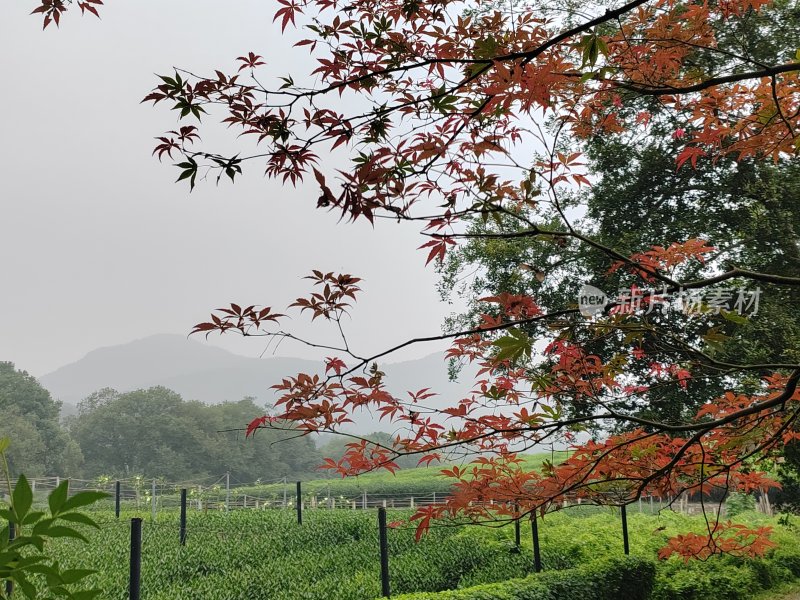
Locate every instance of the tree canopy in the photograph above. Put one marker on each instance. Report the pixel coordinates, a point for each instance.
(451, 111)
(155, 433)
(31, 417)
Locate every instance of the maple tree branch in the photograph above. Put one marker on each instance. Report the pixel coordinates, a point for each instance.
(465, 332)
(708, 83)
(746, 274)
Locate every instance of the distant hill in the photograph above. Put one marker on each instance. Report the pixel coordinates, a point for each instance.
(209, 374)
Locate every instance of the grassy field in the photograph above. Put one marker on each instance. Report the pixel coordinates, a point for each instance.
(420, 481)
(255, 555)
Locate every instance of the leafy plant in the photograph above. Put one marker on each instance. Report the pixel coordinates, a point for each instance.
(24, 561)
(738, 503)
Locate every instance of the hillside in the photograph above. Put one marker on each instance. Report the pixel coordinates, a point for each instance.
(209, 374)
(413, 481)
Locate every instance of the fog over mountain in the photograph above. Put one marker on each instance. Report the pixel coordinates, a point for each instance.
(209, 374)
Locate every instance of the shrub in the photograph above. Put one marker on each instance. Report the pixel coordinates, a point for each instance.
(787, 557)
(611, 579)
(720, 578)
(737, 503)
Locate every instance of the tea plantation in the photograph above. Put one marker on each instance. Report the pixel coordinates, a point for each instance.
(265, 555)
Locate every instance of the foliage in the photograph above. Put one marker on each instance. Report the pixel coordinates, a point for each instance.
(258, 555)
(419, 481)
(336, 447)
(265, 555)
(610, 579)
(737, 503)
(156, 433)
(26, 562)
(31, 416)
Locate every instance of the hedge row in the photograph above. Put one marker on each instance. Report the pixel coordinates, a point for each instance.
(720, 578)
(726, 577)
(610, 579)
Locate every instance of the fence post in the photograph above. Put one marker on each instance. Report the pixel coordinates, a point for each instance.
(651, 504)
(12, 533)
(116, 505)
(364, 505)
(624, 513)
(227, 491)
(136, 558)
(434, 497)
(385, 591)
(411, 504)
(284, 493)
(299, 504)
(154, 500)
(537, 557)
(183, 517)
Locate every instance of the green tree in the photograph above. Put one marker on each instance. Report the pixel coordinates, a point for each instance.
(267, 455)
(156, 433)
(31, 416)
(147, 432)
(746, 209)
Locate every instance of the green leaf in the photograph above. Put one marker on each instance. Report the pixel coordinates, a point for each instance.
(75, 575)
(57, 531)
(22, 498)
(42, 526)
(26, 586)
(514, 346)
(57, 497)
(5, 442)
(77, 517)
(733, 317)
(34, 565)
(169, 81)
(32, 518)
(37, 542)
(486, 47)
(83, 499)
(189, 172)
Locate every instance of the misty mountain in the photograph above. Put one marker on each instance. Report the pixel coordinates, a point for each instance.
(211, 375)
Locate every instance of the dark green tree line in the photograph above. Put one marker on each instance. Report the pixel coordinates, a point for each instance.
(156, 433)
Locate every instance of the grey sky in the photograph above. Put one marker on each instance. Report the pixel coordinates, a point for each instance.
(101, 247)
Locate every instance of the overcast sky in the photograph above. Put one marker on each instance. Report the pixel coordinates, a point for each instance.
(100, 247)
